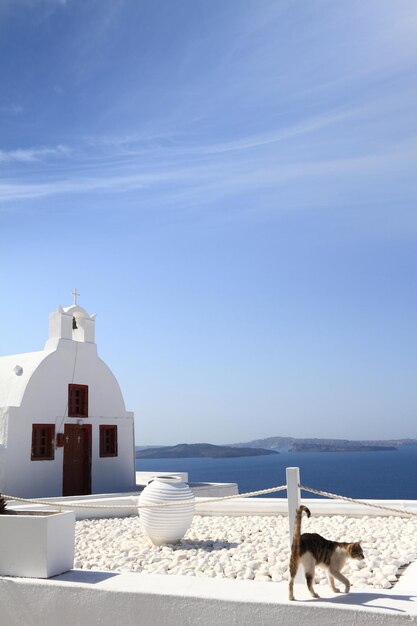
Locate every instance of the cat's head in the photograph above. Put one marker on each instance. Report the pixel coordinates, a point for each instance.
(355, 550)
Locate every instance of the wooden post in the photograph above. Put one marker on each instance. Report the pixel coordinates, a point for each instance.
(294, 501)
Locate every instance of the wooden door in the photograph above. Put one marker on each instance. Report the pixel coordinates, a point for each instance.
(77, 460)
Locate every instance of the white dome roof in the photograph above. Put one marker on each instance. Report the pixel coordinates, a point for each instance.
(14, 380)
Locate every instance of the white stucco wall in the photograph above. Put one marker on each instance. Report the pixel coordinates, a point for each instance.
(40, 395)
(108, 598)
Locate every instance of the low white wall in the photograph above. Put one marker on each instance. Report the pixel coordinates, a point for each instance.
(106, 599)
(202, 490)
(142, 478)
(124, 506)
(214, 490)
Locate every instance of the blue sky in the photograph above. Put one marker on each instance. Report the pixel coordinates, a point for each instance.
(232, 187)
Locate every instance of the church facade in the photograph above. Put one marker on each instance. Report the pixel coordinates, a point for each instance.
(64, 428)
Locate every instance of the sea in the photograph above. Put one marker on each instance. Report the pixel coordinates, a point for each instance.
(390, 474)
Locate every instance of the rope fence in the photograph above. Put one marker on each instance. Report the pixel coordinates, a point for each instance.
(67, 505)
(334, 496)
(249, 494)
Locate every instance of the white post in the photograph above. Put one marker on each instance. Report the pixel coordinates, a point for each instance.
(294, 501)
(293, 496)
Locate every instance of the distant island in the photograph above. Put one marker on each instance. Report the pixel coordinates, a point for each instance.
(270, 445)
(292, 444)
(199, 450)
(317, 447)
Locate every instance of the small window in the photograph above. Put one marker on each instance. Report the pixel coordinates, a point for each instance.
(77, 400)
(43, 436)
(108, 440)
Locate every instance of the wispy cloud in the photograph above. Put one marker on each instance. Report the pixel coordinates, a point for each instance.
(173, 180)
(193, 130)
(173, 143)
(31, 155)
(275, 136)
(11, 109)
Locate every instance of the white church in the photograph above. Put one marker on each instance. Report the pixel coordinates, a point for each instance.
(64, 428)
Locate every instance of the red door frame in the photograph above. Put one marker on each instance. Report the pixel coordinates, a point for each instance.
(76, 469)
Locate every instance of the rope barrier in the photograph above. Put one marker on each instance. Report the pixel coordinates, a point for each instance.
(249, 494)
(155, 505)
(346, 499)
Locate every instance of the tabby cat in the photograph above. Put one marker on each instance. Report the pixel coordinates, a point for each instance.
(312, 549)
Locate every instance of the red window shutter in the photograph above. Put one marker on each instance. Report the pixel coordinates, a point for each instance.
(77, 400)
(108, 440)
(43, 442)
(84, 401)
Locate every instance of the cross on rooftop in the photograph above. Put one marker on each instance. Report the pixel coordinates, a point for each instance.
(75, 294)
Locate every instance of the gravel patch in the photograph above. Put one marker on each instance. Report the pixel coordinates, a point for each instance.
(248, 547)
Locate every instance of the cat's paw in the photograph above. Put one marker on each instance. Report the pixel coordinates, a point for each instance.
(347, 588)
(336, 589)
(315, 595)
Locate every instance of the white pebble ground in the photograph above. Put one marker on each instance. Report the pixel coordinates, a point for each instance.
(248, 547)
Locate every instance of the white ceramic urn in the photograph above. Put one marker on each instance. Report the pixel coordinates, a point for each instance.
(167, 524)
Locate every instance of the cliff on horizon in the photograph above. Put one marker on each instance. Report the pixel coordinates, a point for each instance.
(317, 447)
(293, 444)
(195, 450)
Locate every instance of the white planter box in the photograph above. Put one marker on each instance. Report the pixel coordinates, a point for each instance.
(36, 544)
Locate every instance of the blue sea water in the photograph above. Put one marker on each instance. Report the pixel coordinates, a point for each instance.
(373, 475)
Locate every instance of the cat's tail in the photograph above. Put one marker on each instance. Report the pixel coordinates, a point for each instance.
(295, 548)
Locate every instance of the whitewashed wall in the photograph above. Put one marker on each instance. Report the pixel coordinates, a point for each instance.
(45, 401)
(107, 598)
